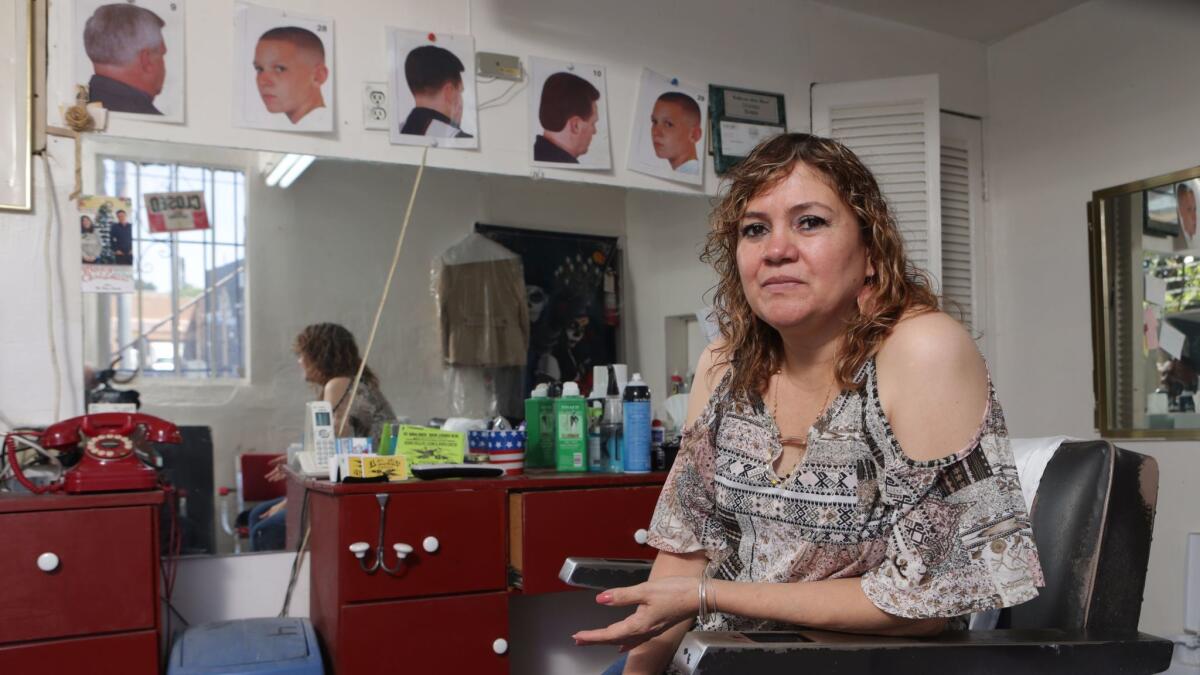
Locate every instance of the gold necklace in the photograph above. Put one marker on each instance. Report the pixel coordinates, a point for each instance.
(801, 441)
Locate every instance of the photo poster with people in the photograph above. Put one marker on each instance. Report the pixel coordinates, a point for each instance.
(432, 78)
(568, 115)
(572, 284)
(282, 70)
(668, 129)
(106, 244)
(130, 55)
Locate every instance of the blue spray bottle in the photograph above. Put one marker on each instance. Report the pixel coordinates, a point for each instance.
(636, 408)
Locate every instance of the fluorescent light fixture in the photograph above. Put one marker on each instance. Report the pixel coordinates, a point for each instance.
(288, 169)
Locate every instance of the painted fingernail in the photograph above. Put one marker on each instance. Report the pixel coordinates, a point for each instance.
(604, 598)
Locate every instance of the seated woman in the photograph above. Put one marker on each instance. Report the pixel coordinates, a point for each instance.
(328, 355)
(845, 465)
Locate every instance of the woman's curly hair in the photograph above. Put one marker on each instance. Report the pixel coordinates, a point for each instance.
(753, 347)
(329, 348)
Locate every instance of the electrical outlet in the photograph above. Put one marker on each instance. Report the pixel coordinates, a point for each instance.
(375, 105)
(499, 66)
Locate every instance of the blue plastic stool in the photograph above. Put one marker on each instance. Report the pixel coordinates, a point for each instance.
(248, 646)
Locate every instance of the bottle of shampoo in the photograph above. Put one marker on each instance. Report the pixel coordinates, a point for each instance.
(636, 408)
(570, 432)
(539, 429)
(612, 434)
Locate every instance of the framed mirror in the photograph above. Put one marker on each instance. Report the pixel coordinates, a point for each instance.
(16, 105)
(1145, 282)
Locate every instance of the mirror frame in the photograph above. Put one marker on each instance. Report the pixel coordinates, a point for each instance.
(1098, 271)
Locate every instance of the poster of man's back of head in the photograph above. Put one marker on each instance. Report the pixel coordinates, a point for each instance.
(433, 89)
(129, 54)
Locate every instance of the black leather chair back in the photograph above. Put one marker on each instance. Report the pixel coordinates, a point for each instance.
(1093, 518)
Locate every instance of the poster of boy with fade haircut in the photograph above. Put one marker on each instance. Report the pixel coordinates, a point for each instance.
(433, 89)
(568, 113)
(668, 130)
(283, 70)
(130, 56)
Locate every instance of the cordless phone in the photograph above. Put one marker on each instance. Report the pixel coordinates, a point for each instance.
(319, 440)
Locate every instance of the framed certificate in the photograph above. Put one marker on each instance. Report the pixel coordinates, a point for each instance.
(740, 119)
(16, 104)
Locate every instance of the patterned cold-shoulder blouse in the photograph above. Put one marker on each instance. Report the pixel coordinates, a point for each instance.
(939, 538)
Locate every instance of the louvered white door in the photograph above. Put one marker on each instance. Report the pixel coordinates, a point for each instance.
(894, 126)
(962, 190)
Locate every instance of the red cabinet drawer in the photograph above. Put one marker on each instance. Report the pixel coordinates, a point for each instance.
(468, 526)
(124, 654)
(437, 635)
(548, 527)
(104, 581)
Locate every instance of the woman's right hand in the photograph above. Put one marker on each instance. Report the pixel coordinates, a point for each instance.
(279, 472)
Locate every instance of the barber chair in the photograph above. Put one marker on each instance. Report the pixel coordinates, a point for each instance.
(1093, 517)
(252, 487)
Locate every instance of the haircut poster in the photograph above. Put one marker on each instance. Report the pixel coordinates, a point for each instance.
(668, 130)
(572, 284)
(568, 115)
(129, 53)
(282, 70)
(106, 244)
(433, 89)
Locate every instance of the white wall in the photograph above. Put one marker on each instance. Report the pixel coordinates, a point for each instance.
(664, 235)
(1098, 96)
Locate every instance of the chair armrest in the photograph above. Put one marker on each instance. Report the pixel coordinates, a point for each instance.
(1029, 652)
(601, 573)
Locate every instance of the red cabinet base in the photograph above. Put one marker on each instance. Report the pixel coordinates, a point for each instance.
(445, 609)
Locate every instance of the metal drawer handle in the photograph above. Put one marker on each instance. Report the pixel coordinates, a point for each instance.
(500, 645)
(431, 544)
(641, 536)
(47, 562)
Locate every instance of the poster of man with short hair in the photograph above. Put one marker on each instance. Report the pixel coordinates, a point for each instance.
(283, 70)
(129, 53)
(668, 130)
(568, 113)
(433, 89)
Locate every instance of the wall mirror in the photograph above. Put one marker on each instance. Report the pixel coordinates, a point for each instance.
(209, 326)
(1145, 281)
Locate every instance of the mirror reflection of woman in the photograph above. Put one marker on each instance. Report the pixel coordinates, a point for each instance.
(328, 357)
(845, 464)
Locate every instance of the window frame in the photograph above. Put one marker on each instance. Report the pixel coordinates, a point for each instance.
(213, 160)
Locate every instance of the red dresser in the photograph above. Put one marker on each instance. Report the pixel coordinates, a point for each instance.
(79, 581)
(474, 542)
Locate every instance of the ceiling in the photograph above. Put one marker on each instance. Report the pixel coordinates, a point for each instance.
(985, 21)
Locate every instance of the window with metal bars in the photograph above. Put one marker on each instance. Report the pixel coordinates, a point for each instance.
(186, 317)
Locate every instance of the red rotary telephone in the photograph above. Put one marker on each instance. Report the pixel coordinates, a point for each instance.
(109, 462)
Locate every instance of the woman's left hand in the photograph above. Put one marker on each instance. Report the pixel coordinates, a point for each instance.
(662, 603)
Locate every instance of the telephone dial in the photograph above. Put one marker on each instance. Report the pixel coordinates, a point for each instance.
(109, 460)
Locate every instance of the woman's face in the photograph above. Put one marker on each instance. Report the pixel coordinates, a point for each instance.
(800, 255)
(85, 222)
(310, 373)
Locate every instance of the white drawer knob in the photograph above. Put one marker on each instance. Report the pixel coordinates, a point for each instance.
(430, 544)
(641, 536)
(359, 549)
(402, 550)
(500, 645)
(47, 562)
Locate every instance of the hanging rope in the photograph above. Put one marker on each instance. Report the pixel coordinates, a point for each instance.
(412, 198)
